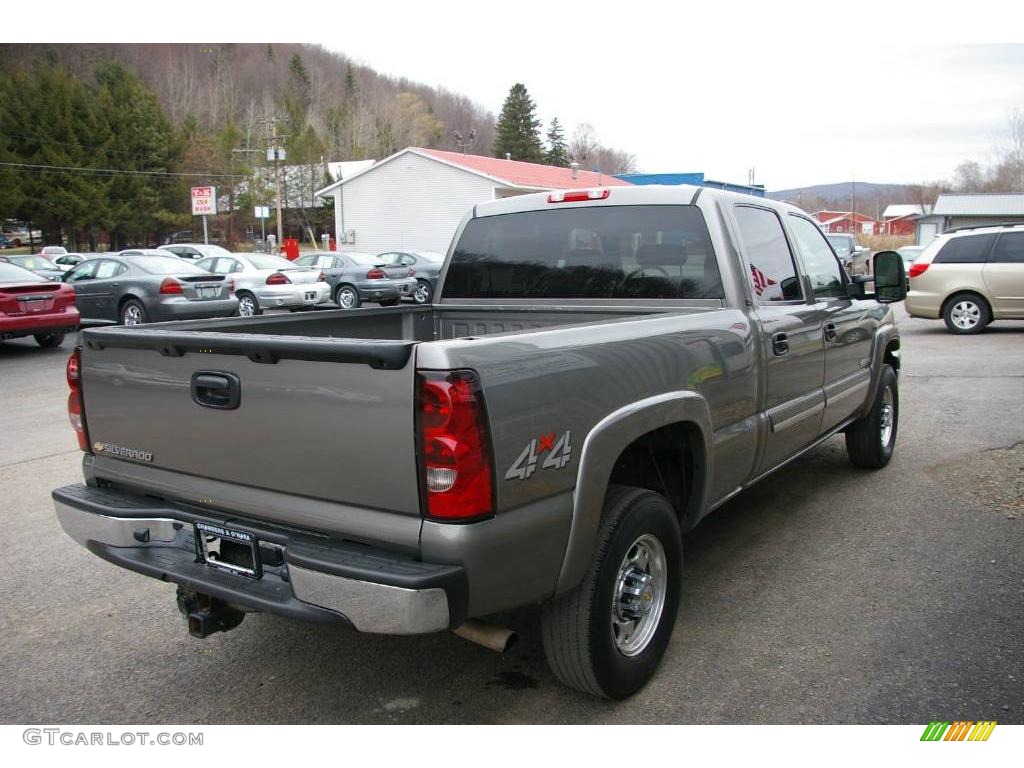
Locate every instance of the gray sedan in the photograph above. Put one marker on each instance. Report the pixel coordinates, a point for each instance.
(143, 289)
(425, 266)
(358, 277)
(39, 264)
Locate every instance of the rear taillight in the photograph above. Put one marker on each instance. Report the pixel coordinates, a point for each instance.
(170, 286)
(375, 274)
(278, 279)
(455, 449)
(917, 269)
(411, 272)
(231, 285)
(322, 277)
(579, 195)
(76, 413)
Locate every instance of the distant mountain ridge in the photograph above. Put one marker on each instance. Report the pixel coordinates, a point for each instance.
(838, 194)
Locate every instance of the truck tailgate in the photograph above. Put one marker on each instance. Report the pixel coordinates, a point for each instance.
(324, 418)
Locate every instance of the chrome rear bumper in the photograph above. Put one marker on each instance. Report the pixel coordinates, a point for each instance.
(317, 579)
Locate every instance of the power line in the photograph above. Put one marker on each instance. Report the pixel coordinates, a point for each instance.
(116, 172)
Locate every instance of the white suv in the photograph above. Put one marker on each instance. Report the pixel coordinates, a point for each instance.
(970, 277)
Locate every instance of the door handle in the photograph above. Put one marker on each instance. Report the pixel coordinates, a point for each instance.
(780, 343)
(216, 389)
(830, 331)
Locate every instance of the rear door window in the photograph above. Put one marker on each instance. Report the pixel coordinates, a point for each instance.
(772, 270)
(599, 252)
(970, 249)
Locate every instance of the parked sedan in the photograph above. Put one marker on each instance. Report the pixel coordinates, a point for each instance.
(425, 266)
(31, 305)
(38, 264)
(142, 289)
(263, 282)
(194, 251)
(357, 277)
(855, 257)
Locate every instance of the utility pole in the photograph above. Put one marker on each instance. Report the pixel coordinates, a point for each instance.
(853, 203)
(231, 197)
(275, 150)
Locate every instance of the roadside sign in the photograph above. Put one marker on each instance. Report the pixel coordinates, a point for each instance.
(204, 201)
(262, 212)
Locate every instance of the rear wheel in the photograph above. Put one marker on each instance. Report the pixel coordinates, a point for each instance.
(248, 305)
(133, 313)
(870, 440)
(49, 340)
(608, 635)
(347, 297)
(423, 292)
(966, 313)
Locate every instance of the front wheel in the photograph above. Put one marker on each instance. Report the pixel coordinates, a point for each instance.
(49, 340)
(870, 440)
(608, 635)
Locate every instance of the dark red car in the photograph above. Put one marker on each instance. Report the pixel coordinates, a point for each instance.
(32, 305)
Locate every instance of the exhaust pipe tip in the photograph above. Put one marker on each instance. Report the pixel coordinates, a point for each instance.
(490, 636)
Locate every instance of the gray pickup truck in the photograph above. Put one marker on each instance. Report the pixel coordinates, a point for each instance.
(600, 369)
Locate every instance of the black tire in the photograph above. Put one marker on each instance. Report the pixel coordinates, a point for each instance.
(347, 290)
(248, 304)
(133, 313)
(49, 340)
(423, 293)
(966, 313)
(578, 628)
(864, 438)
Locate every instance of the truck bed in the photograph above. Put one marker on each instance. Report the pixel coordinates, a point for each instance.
(326, 404)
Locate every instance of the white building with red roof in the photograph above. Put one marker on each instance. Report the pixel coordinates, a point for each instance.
(415, 199)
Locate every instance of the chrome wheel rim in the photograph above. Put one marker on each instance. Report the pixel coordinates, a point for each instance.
(639, 597)
(965, 315)
(421, 294)
(887, 417)
(346, 298)
(246, 306)
(132, 315)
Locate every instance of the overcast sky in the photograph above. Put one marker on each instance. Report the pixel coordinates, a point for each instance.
(804, 101)
(804, 92)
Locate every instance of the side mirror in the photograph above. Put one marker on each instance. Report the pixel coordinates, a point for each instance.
(890, 277)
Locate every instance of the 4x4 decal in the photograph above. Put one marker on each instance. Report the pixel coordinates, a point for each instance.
(559, 455)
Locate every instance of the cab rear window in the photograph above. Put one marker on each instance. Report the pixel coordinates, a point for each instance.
(600, 252)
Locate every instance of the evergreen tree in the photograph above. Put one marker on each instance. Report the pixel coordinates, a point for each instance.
(558, 150)
(142, 139)
(518, 129)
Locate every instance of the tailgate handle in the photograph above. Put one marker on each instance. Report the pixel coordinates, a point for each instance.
(216, 389)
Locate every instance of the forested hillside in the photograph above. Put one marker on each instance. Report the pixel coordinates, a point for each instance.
(105, 139)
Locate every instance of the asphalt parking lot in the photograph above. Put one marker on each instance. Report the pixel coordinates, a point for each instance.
(826, 594)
